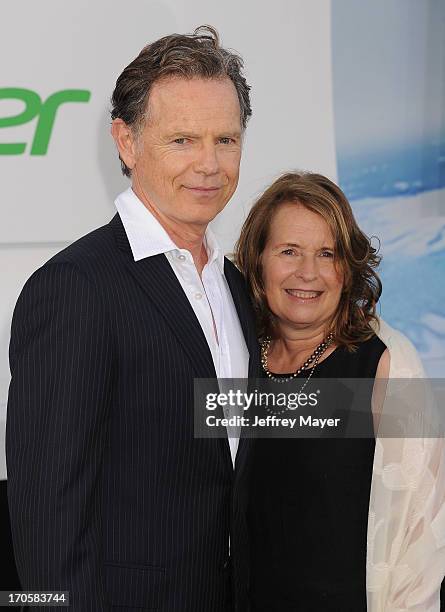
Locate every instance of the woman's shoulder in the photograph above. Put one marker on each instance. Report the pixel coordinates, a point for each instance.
(360, 363)
(373, 344)
(370, 349)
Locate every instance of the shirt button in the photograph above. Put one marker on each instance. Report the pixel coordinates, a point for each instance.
(181, 257)
(198, 295)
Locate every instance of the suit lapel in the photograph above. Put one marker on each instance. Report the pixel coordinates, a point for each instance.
(156, 277)
(245, 315)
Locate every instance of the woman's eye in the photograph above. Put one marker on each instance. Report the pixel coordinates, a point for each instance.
(328, 254)
(288, 252)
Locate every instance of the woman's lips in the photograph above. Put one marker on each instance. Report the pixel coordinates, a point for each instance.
(303, 295)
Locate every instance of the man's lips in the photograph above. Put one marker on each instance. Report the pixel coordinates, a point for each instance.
(303, 294)
(202, 189)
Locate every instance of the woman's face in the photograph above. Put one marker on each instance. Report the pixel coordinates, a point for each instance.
(302, 284)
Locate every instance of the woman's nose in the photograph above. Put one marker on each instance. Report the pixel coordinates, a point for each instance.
(307, 268)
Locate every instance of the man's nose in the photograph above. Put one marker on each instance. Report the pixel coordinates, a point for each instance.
(207, 159)
(307, 268)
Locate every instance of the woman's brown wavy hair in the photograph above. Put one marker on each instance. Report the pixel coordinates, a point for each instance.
(354, 254)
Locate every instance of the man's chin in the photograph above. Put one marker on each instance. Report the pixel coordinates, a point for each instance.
(201, 213)
(202, 221)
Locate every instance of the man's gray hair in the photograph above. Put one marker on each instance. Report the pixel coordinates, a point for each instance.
(183, 55)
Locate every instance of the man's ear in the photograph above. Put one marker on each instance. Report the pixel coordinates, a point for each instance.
(125, 142)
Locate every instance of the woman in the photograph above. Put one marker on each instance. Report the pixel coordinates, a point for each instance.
(311, 273)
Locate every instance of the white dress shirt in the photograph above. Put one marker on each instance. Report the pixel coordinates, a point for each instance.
(209, 295)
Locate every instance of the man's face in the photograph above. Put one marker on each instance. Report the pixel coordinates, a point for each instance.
(188, 154)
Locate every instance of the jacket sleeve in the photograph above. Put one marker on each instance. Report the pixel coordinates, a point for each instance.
(406, 526)
(58, 404)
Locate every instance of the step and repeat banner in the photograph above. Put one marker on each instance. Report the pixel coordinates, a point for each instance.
(59, 167)
(353, 90)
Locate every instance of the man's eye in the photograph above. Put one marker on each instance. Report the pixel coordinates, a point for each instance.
(226, 140)
(180, 140)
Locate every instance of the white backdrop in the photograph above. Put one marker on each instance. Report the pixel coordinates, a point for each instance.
(50, 200)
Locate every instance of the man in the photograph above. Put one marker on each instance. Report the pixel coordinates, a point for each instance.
(111, 497)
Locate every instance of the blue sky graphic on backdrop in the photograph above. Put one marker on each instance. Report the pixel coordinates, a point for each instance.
(389, 105)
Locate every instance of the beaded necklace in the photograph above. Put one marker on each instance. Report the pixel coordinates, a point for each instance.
(314, 358)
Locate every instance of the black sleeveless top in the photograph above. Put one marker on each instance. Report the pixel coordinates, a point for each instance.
(308, 510)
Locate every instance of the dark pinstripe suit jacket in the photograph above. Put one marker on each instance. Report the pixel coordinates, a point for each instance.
(110, 495)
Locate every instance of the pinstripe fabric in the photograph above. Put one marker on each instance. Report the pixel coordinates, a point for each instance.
(110, 496)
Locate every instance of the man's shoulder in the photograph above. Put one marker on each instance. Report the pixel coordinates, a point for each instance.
(91, 249)
(92, 257)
